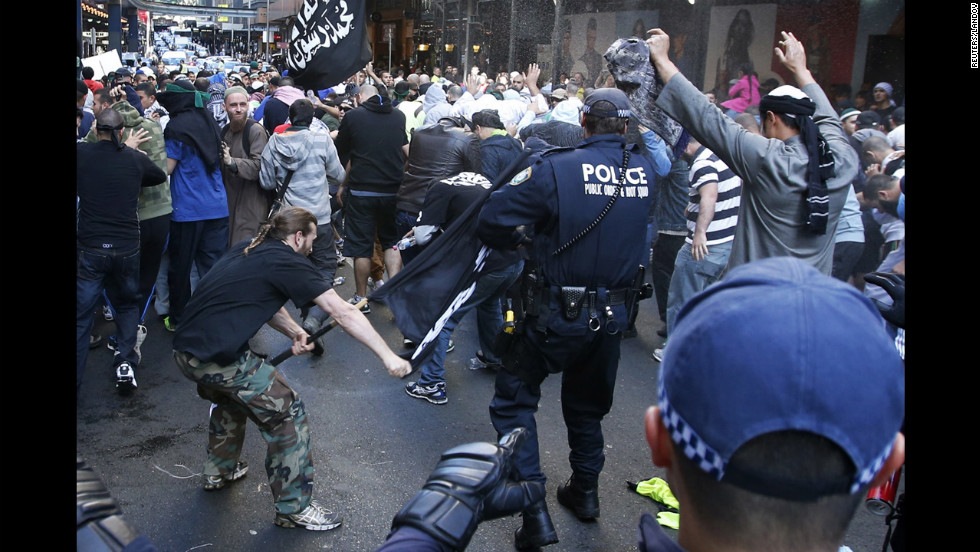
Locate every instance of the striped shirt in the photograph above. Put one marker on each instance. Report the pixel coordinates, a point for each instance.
(705, 169)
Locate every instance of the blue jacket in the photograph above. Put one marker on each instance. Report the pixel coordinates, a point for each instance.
(498, 151)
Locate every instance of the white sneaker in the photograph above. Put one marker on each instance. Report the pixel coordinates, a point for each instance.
(658, 355)
(107, 313)
(314, 518)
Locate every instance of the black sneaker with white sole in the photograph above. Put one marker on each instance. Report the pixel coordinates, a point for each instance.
(435, 393)
(125, 377)
(310, 326)
(366, 309)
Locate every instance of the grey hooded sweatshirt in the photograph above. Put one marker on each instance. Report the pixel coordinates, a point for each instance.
(313, 158)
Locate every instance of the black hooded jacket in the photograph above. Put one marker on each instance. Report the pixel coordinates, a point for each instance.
(371, 137)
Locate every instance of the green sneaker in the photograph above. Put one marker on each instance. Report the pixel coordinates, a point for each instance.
(167, 323)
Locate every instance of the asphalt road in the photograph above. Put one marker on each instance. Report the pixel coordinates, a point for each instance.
(373, 446)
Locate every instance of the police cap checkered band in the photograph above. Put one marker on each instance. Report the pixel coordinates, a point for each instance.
(620, 103)
(778, 346)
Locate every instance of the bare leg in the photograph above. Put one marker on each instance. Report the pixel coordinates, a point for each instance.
(393, 262)
(362, 268)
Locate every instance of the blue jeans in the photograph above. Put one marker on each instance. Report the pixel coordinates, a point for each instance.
(486, 298)
(116, 272)
(405, 221)
(690, 277)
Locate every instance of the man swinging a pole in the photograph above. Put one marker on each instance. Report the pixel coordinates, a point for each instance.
(246, 288)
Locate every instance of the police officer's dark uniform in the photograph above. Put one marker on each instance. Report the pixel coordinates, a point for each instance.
(576, 303)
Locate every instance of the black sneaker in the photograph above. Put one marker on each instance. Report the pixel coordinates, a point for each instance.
(125, 378)
(366, 309)
(487, 364)
(408, 343)
(435, 394)
(310, 326)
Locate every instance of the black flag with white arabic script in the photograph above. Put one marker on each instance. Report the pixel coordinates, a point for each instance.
(424, 294)
(327, 43)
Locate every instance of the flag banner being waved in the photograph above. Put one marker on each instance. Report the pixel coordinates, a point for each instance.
(441, 278)
(327, 43)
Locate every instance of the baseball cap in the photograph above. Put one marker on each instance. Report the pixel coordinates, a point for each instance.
(123, 72)
(778, 346)
(560, 93)
(848, 113)
(867, 119)
(615, 96)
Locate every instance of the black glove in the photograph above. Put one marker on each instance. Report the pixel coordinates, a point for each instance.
(503, 238)
(470, 483)
(894, 285)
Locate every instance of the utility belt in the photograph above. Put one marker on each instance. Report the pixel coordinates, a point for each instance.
(597, 303)
(566, 311)
(569, 310)
(602, 306)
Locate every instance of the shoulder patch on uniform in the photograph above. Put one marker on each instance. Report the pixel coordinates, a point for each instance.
(521, 177)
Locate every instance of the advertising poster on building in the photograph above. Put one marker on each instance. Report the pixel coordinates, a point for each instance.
(636, 23)
(739, 35)
(584, 39)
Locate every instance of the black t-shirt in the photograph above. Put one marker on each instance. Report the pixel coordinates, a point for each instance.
(107, 182)
(241, 293)
(449, 198)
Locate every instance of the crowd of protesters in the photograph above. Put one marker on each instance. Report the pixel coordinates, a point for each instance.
(773, 170)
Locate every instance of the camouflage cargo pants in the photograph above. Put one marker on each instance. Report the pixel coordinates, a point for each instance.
(252, 388)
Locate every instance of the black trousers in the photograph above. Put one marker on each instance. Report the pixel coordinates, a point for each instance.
(588, 366)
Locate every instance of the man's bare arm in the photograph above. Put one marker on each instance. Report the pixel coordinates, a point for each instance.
(284, 324)
(706, 212)
(353, 321)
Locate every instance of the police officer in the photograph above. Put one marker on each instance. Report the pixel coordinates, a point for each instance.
(586, 209)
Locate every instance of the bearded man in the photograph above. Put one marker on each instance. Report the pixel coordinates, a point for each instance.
(242, 143)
